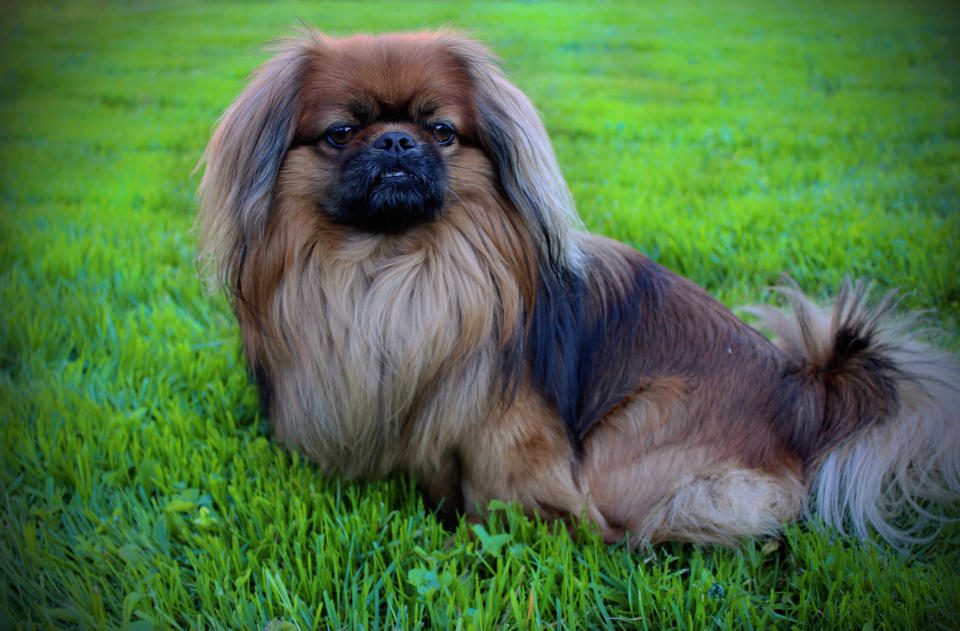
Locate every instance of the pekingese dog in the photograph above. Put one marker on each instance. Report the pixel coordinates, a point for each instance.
(415, 293)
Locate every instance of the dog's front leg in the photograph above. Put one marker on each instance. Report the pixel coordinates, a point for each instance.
(523, 455)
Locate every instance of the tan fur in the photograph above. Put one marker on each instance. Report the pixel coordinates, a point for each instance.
(649, 474)
(515, 457)
(377, 339)
(428, 351)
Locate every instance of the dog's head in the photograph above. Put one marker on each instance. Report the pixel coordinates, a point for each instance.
(382, 135)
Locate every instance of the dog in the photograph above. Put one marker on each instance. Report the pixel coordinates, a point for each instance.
(416, 294)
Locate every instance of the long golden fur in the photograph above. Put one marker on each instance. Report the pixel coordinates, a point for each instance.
(483, 342)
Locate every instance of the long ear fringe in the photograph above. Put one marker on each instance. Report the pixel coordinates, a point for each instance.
(512, 132)
(242, 161)
(884, 472)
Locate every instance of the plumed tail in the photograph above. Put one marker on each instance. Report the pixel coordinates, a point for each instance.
(888, 441)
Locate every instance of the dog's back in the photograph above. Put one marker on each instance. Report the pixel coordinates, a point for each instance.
(726, 435)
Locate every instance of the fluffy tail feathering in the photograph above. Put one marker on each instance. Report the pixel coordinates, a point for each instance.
(890, 434)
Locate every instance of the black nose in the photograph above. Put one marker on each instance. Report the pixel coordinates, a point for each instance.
(395, 141)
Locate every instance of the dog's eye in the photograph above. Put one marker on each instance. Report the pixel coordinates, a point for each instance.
(340, 135)
(443, 133)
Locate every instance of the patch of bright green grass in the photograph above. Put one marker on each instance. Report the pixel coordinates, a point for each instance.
(732, 142)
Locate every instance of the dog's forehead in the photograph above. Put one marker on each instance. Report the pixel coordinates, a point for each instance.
(394, 75)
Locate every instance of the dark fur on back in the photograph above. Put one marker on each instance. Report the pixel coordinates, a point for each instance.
(582, 334)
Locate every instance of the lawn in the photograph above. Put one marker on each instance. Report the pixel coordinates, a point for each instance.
(733, 142)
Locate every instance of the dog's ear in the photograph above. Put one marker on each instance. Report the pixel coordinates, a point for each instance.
(242, 161)
(514, 137)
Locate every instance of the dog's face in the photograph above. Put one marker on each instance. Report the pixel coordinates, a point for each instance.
(380, 135)
(383, 123)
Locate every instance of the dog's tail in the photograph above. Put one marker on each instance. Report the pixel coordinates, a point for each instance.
(887, 439)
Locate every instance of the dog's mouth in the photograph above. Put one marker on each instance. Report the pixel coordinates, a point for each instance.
(395, 175)
(388, 194)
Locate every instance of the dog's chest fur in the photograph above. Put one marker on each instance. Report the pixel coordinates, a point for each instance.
(391, 349)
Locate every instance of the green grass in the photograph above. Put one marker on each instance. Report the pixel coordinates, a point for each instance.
(732, 142)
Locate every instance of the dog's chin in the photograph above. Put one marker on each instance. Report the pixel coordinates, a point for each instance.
(396, 202)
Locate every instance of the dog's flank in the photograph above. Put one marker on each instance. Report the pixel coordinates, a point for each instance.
(497, 351)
